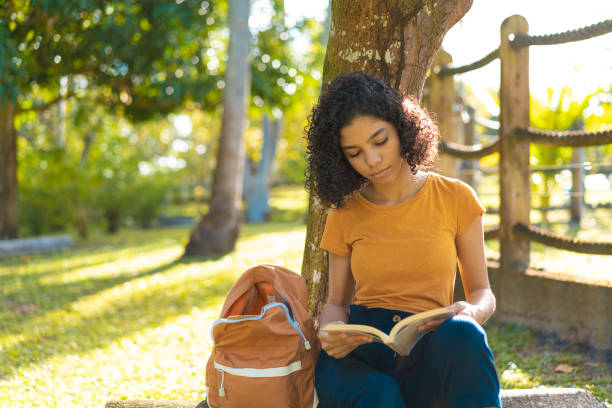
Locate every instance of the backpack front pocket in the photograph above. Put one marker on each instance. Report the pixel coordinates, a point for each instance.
(258, 387)
(262, 360)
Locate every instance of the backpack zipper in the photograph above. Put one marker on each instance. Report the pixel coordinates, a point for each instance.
(221, 389)
(255, 372)
(293, 323)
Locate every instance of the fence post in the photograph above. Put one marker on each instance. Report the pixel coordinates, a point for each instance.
(469, 138)
(441, 100)
(514, 154)
(578, 156)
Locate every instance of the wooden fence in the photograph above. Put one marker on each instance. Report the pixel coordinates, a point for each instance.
(515, 231)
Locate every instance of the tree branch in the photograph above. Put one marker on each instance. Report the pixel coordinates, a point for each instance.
(40, 108)
(34, 17)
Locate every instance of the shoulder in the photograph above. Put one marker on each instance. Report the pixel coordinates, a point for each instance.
(444, 186)
(351, 205)
(451, 185)
(455, 193)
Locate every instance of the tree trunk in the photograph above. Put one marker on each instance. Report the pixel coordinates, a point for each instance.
(113, 219)
(327, 24)
(394, 41)
(257, 185)
(81, 221)
(9, 219)
(81, 212)
(217, 232)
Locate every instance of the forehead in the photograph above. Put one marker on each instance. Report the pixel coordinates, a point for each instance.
(361, 129)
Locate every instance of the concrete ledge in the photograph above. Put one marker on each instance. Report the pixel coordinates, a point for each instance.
(527, 398)
(34, 245)
(576, 312)
(549, 398)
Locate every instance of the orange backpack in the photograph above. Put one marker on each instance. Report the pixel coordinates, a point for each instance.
(265, 348)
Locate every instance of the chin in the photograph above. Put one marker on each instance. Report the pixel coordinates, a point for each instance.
(381, 182)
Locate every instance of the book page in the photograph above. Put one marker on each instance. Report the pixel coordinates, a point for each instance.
(405, 334)
(357, 329)
(419, 318)
(406, 338)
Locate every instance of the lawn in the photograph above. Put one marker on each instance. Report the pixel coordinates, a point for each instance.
(125, 316)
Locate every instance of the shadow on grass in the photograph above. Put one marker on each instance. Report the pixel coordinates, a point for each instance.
(27, 297)
(251, 230)
(35, 300)
(90, 253)
(136, 311)
(77, 261)
(54, 327)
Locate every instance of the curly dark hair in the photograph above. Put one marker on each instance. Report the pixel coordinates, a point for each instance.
(329, 175)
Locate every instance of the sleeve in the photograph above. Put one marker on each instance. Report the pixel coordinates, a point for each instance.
(468, 206)
(334, 235)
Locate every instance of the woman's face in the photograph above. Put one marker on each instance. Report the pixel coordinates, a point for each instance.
(372, 147)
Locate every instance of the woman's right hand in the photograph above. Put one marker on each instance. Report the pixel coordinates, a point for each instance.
(338, 345)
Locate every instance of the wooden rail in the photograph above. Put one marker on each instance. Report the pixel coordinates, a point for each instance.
(512, 143)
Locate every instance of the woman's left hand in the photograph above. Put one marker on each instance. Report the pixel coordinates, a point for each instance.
(459, 308)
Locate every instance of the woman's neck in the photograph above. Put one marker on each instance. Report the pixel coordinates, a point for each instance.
(404, 187)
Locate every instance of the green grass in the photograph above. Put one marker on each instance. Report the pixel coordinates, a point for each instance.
(125, 317)
(525, 359)
(596, 225)
(120, 319)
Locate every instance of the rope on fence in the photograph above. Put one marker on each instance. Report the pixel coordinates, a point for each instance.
(488, 124)
(446, 70)
(562, 242)
(587, 166)
(580, 34)
(607, 206)
(598, 206)
(491, 233)
(575, 138)
(469, 152)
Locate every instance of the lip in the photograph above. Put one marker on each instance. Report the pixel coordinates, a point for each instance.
(380, 173)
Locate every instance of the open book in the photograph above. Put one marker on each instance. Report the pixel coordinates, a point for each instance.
(403, 336)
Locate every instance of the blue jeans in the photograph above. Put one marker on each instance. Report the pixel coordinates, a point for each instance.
(449, 367)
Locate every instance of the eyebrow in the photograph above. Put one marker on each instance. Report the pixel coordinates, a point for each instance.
(370, 138)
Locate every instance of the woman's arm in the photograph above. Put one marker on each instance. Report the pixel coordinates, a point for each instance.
(480, 303)
(340, 295)
(474, 275)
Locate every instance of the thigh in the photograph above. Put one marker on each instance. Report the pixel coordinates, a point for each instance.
(350, 382)
(452, 367)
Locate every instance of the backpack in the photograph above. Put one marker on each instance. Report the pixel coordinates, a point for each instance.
(265, 347)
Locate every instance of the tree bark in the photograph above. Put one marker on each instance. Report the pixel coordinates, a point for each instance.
(9, 216)
(394, 41)
(81, 216)
(257, 184)
(218, 230)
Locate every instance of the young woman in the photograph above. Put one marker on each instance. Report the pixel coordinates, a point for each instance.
(395, 233)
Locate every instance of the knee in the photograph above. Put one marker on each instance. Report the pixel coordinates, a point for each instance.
(346, 382)
(380, 390)
(462, 333)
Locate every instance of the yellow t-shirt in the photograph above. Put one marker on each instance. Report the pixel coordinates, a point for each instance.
(403, 256)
